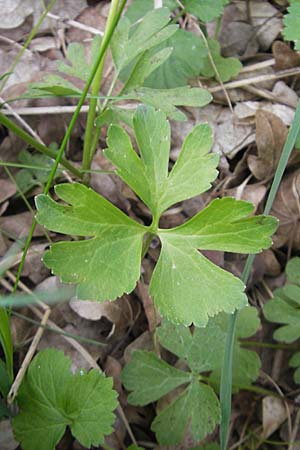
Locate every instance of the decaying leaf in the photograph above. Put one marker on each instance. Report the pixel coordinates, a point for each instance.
(274, 413)
(286, 208)
(271, 135)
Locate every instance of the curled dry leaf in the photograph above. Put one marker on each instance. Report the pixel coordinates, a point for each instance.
(119, 312)
(285, 57)
(286, 208)
(247, 26)
(271, 135)
(274, 414)
(253, 193)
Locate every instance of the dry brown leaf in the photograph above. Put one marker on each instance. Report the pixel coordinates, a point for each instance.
(118, 312)
(247, 110)
(19, 225)
(34, 268)
(113, 368)
(271, 135)
(14, 12)
(285, 57)
(253, 193)
(285, 94)
(286, 208)
(151, 313)
(91, 16)
(143, 342)
(274, 413)
(29, 64)
(7, 189)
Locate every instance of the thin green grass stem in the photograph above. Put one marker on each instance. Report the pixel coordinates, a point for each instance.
(92, 133)
(226, 379)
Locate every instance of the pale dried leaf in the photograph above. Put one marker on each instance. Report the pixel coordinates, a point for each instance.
(274, 414)
(247, 110)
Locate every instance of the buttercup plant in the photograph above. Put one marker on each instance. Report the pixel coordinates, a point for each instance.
(108, 264)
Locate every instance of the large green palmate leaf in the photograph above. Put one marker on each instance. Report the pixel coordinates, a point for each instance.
(150, 378)
(198, 407)
(51, 398)
(94, 263)
(148, 176)
(184, 282)
(202, 350)
(224, 225)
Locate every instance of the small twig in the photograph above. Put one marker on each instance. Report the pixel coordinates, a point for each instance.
(45, 110)
(75, 24)
(258, 66)
(26, 361)
(257, 79)
(264, 93)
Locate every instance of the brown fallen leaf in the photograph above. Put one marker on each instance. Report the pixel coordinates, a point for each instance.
(7, 189)
(151, 313)
(286, 208)
(143, 342)
(119, 313)
(285, 57)
(271, 135)
(274, 413)
(19, 225)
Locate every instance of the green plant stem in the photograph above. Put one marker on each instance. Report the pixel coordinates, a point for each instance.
(89, 140)
(226, 379)
(66, 138)
(5, 121)
(27, 42)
